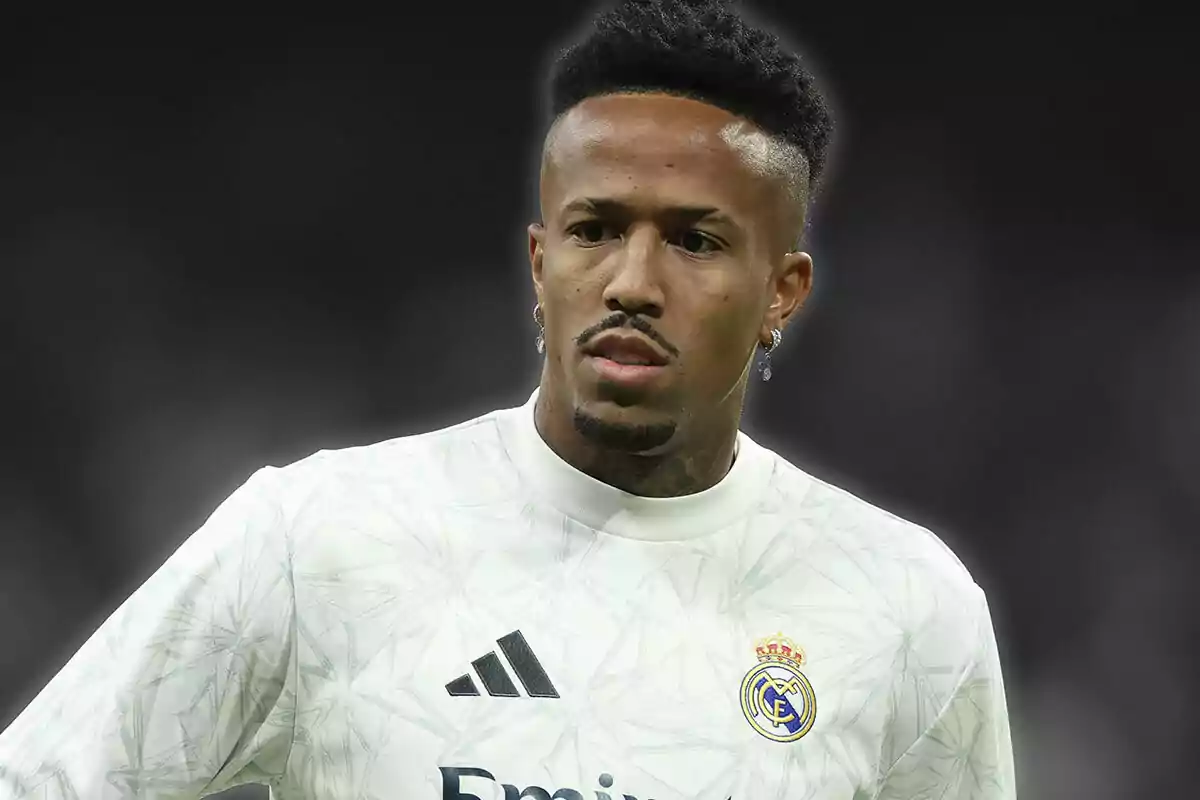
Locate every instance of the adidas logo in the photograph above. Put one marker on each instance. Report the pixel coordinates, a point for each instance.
(495, 679)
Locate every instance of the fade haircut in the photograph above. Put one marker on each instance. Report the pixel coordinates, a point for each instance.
(706, 51)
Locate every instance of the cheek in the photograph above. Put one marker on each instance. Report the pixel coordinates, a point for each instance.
(573, 295)
(561, 280)
(570, 272)
(724, 334)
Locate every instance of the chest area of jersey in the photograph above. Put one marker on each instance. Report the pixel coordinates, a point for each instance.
(572, 667)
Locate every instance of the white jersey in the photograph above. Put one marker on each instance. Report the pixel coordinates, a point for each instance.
(462, 614)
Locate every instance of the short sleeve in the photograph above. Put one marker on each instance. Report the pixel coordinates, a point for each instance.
(966, 751)
(188, 688)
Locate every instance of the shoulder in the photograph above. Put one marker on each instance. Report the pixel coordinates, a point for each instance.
(899, 568)
(422, 468)
(856, 524)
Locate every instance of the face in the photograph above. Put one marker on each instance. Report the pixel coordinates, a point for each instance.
(661, 263)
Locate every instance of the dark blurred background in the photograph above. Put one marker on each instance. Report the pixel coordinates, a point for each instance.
(231, 242)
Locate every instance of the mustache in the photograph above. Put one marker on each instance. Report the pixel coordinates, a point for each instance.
(620, 320)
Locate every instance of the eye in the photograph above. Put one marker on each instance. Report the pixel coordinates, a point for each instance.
(698, 242)
(589, 232)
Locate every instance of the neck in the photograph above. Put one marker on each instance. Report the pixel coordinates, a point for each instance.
(695, 466)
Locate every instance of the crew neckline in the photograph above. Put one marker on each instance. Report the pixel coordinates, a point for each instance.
(606, 508)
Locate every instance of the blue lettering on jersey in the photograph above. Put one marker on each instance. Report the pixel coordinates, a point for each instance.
(452, 787)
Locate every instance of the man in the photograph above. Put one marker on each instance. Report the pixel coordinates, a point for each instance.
(609, 590)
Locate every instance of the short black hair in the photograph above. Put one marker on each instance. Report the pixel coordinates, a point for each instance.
(702, 49)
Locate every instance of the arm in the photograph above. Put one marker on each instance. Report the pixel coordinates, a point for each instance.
(188, 688)
(965, 753)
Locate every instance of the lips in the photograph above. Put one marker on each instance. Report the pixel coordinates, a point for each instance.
(626, 349)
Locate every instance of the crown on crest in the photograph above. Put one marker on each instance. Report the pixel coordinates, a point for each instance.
(779, 648)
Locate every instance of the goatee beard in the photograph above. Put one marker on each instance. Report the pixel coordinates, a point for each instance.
(623, 436)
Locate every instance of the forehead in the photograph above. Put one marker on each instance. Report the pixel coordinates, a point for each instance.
(659, 148)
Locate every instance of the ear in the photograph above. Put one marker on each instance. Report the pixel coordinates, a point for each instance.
(537, 242)
(791, 284)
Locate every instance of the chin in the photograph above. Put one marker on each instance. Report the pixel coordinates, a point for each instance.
(627, 429)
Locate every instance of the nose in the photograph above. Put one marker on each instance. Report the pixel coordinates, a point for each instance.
(634, 286)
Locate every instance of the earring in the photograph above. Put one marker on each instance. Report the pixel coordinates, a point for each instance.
(540, 344)
(776, 338)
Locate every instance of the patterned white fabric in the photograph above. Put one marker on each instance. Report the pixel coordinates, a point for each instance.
(305, 637)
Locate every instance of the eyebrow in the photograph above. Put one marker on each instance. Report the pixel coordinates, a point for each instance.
(604, 206)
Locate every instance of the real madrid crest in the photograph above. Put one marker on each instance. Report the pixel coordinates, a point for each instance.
(777, 700)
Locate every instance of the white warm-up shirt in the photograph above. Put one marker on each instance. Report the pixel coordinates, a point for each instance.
(462, 614)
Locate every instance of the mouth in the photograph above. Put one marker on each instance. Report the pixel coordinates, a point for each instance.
(627, 375)
(626, 350)
(625, 360)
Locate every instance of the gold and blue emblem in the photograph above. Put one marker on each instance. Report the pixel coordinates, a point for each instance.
(777, 700)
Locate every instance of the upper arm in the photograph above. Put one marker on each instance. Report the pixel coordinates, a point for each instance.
(965, 752)
(187, 687)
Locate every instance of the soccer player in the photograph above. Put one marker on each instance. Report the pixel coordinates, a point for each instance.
(607, 592)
